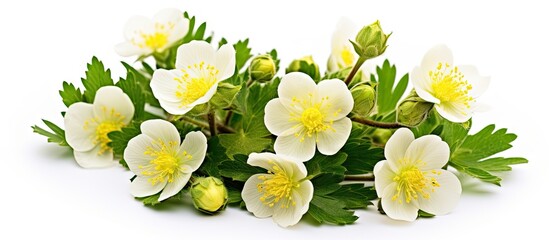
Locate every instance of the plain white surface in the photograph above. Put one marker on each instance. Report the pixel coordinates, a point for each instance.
(45, 194)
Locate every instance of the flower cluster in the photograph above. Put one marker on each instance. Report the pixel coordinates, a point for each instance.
(210, 121)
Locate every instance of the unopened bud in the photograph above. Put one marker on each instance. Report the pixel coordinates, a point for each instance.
(262, 68)
(413, 110)
(365, 99)
(371, 41)
(305, 65)
(209, 195)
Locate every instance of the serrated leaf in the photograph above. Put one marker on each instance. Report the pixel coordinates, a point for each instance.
(56, 136)
(70, 94)
(225, 96)
(329, 210)
(326, 164)
(355, 196)
(241, 143)
(470, 156)
(361, 156)
(135, 93)
(150, 200)
(238, 169)
(120, 139)
(243, 53)
(215, 154)
(96, 77)
(388, 94)
(252, 104)
(144, 81)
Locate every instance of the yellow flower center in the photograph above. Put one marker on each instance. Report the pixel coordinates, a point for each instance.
(114, 121)
(313, 120)
(191, 88)
(313, 117)
(277, 187)
(449, 85)
(347, 56)
(413, 183)
(166, 163)
(156, 40)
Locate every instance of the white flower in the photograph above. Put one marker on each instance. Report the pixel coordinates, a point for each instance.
(145, 36)
(160, 161)
(453, 89)
(87, 126)
(200, 68)
(307, 115)
(411, 178)
(343, 54)
(283, 192)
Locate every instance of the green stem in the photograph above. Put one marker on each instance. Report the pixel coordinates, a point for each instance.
(377, 124)
(363, 178)
(211, 123)
(222, 128)
(355, 69)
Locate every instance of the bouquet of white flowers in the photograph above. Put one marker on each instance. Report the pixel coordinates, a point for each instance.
(216, 123)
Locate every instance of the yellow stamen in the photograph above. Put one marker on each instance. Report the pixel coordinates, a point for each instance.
(449, 85)
(191, 88)
(413, 183)
(277, 187)
(166, 163)
(347, 57)
(113, 121)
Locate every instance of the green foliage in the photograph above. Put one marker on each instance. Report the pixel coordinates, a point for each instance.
(215, 154)
(120, 139)
(225, 96)
(70, 94)
(326, 209)
(143, 79)
(150, 200)
(241, 143)
(253, 107)
(238, 169)
(471, 155)
(135, 93)
(361, 155)
(96, 77)
(388, 94)
(195, 34)
(355, 196)
(56, 136)
(243, 53)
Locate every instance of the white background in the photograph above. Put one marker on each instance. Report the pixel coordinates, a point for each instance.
(44, 194)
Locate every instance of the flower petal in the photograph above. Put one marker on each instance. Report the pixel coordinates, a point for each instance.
(398, 209)
(127, 49)
(336, 99)
(161, 130)
(225, 61)
(92, 158)
(298, 148)
(396, 147)
(194, 52)
(141, 187)
(297, 86)
(278, 119)
(180, 29)
(445, 198)
(455, 112)
(80, 127)
(305, 191)
(329, 142)
(175, 108)
(111, 98)
(479, 83)
(164, 84)
(134, 154)
(137, 25)
(430, 150)
(174, 187)
(251, 196)
(383, 176)
(435, 55)
(195, 145)
(288, 216)
(174, 21)
(262, 160)
(423, 85)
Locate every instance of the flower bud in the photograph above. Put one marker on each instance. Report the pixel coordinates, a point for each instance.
(413, 110)
(305, 65)
(209, 195)
(365, 99)
(371, 41)
(381, 136)
(262, 68)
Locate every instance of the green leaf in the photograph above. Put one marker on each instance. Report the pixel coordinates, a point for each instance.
(70, 94)
(256, 98)
(234, 189)
(361, 156)
(225, 95)
(243, 53)
(454, 133)
(470, 156)
(355, 196)
(143, 79)
(241, 143)
(423, 214)
(120, 139)
(326, 164)
(388, 94)
(326, 209)
(56, 136)
(150, 200)
(96, 77)
(135, 93)
(214, 156)
(238, 169)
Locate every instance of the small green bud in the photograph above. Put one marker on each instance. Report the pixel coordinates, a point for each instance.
(413, 110)
(209, 195)
(365, 99)
(371, 41)
(262, 68)
(305, 65)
